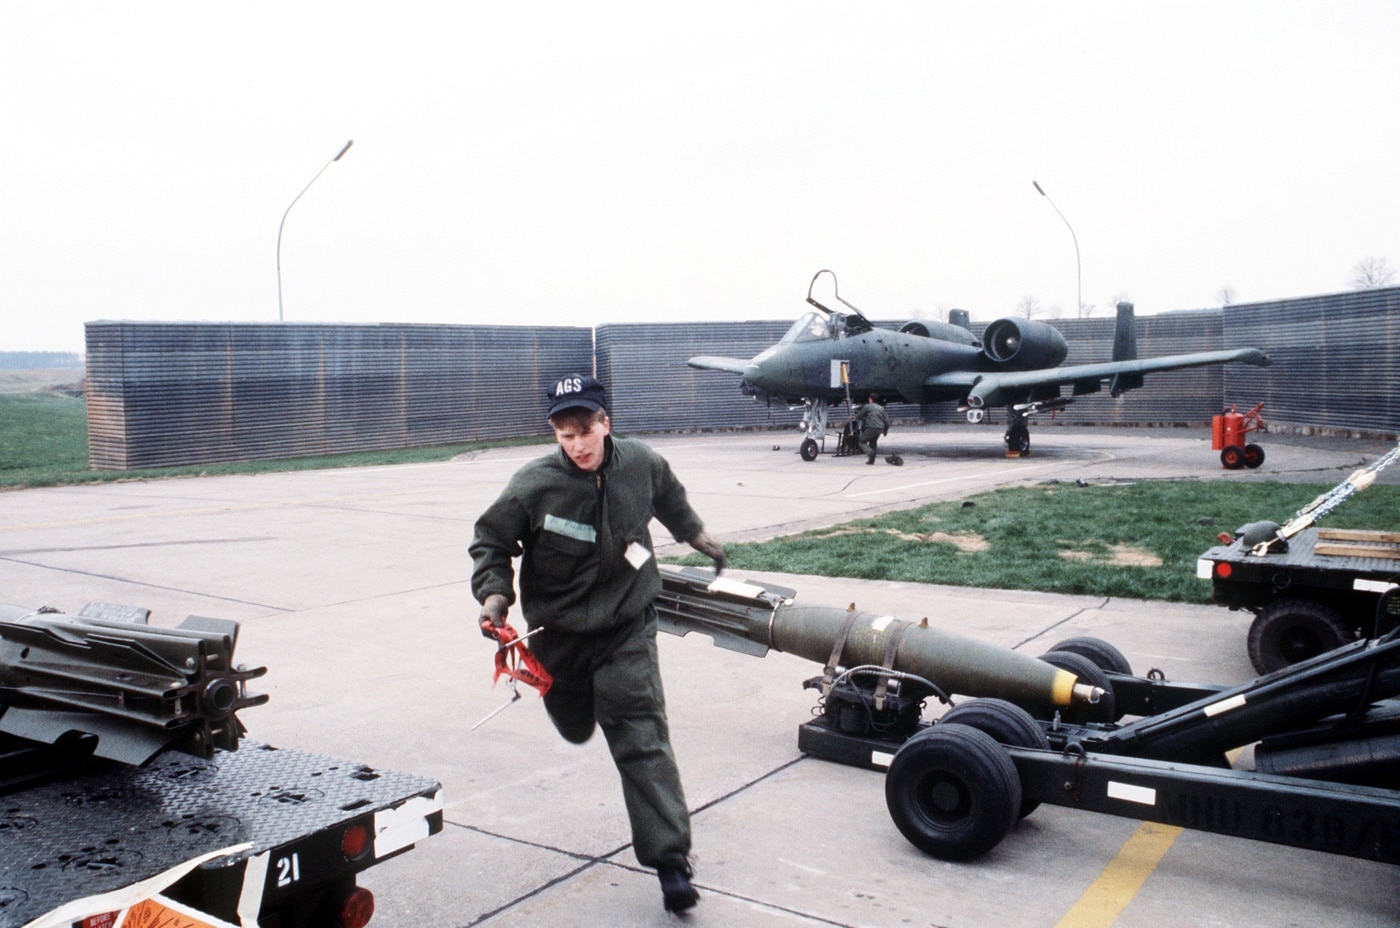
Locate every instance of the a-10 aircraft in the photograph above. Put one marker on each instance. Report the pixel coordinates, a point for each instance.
(830, 356)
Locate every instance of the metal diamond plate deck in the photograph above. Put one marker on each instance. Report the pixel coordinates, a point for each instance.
(112, 825)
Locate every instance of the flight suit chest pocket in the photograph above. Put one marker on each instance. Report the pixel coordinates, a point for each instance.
(563, 547)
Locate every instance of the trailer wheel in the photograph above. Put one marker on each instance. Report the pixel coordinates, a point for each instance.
(1291, 630)
(1005, 721)
(1232, 456)
(1106, 709)
(1253, 456)
(953, 791)
(809, 449)
(1104, 655)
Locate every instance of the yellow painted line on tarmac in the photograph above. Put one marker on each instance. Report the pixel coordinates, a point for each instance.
(1109, 895)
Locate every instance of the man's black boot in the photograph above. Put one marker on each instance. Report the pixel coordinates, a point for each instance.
(870, 460)
(677, 895)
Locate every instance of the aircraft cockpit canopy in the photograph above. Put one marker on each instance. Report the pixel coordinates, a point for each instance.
(815, 327)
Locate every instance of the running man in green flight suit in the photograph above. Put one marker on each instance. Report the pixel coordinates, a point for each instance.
(578, 520)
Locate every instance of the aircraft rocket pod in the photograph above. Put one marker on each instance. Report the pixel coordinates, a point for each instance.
(751, 618)
(138, 688)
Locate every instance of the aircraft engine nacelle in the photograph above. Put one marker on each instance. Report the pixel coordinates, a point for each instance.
(943, 331)
(1023, 344)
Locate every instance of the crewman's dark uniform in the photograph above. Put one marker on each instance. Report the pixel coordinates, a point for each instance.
(588, 578)
(873, 423)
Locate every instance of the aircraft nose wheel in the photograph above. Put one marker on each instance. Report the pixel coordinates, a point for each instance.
(809, 449)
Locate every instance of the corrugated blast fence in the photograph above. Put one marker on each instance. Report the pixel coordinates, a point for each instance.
(1336, 361)
(162, 394)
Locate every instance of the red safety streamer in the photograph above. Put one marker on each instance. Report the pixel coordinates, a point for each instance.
(513, 658)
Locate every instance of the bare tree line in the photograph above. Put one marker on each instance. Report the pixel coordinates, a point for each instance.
(1370, 273)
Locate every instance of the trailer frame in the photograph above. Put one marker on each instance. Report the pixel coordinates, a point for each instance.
(1169, 765)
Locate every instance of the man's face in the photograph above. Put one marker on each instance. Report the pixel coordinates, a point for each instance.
(583, 442)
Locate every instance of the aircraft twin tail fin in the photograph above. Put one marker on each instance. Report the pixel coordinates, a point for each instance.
(1124, 349)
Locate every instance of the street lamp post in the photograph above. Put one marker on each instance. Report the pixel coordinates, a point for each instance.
(339, 155)
(1078, 273)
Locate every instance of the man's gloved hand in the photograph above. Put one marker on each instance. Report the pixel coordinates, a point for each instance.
(710, 548)
(493, 614)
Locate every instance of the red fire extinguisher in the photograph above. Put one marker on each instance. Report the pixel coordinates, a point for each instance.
(1227, 435)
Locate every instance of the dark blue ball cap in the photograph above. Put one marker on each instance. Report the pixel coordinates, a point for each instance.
(576, 391)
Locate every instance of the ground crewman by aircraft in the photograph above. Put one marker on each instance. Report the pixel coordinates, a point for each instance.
(873, 422)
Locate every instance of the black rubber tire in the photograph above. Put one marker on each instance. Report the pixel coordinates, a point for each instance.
(1005, 721)
(1253, 456)
(1232, 456)
(809, 449)
(1291, 630)
(1106, 709)
(1104, 655)
(953, 792)
(1018, 439)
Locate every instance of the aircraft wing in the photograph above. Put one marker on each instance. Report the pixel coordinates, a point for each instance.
(997, 389)
(713, 363)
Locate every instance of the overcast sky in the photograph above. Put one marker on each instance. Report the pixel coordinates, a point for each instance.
(583, 163)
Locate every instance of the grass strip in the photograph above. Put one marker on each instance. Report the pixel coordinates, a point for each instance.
(1138, 540)
(44, 442)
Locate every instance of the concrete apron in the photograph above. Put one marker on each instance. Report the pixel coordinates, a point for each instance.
(351, 587)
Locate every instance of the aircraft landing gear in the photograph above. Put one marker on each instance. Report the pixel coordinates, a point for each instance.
(1018, 429)
(814, 413)
(1018, 436)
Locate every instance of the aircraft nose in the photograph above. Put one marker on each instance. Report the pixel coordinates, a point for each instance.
(756, 376)
(767, 371)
